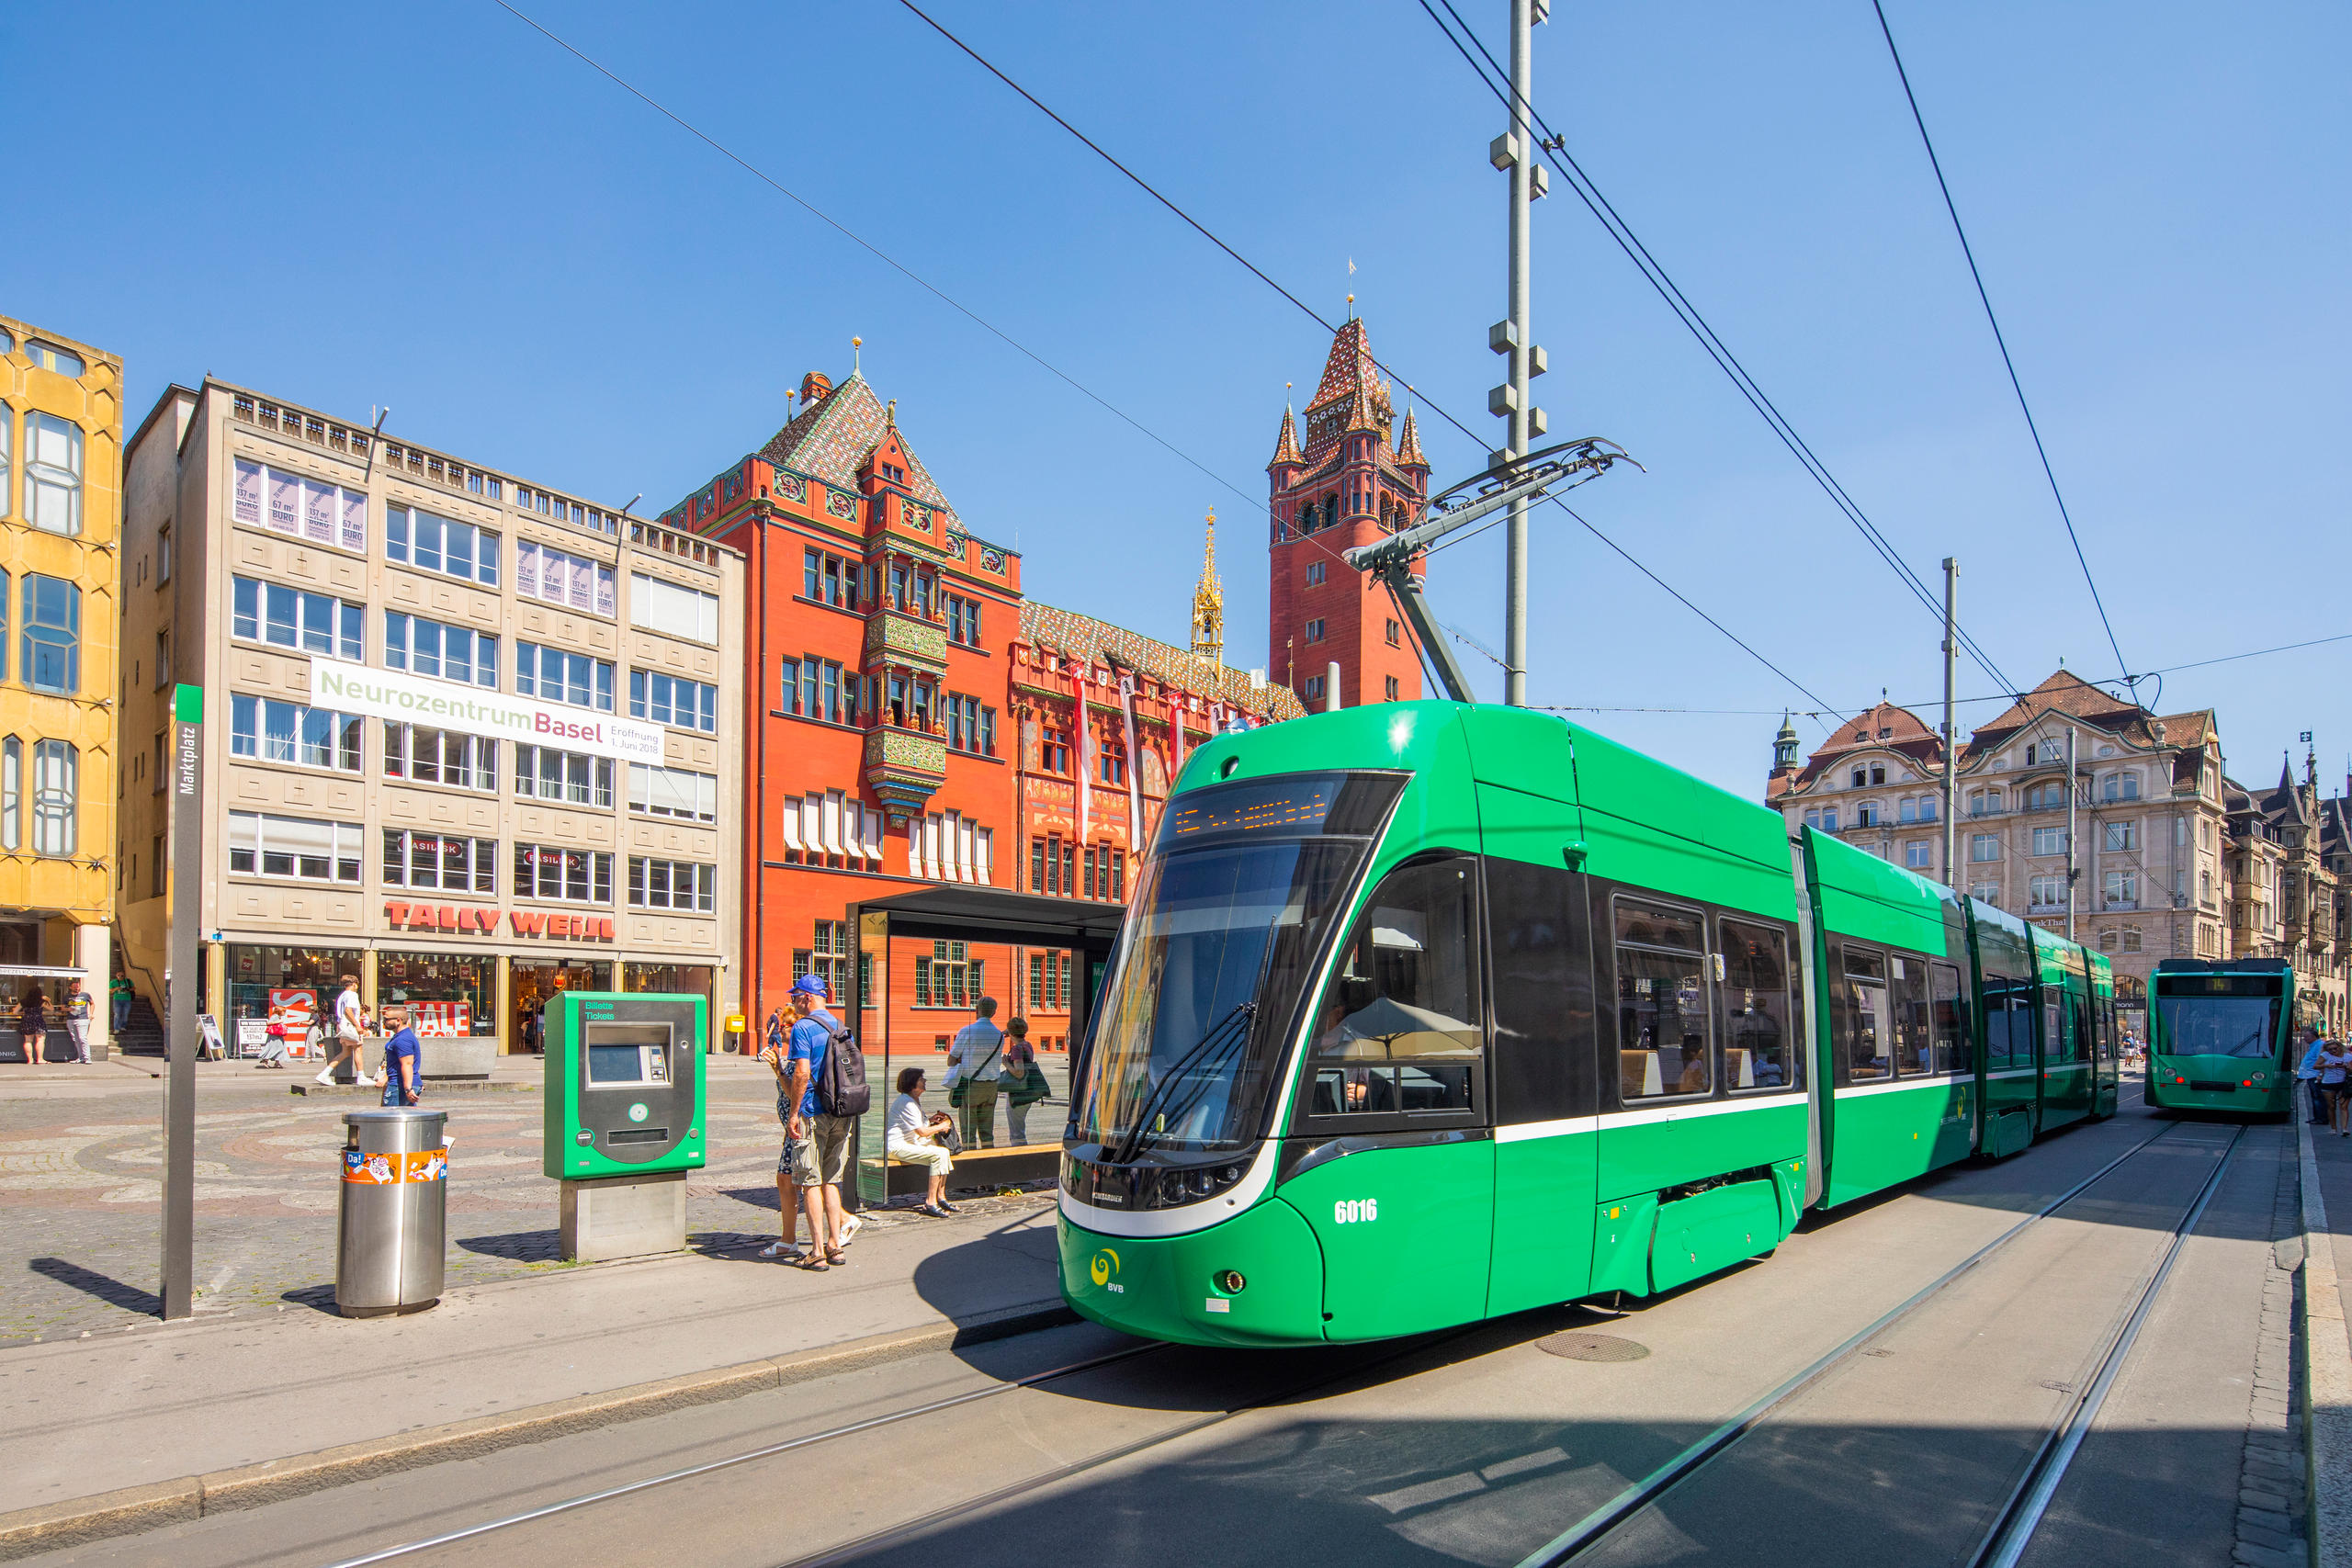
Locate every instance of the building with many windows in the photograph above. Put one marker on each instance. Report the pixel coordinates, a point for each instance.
(61, 514)
(2150, 878)
(471, 739)
(2283, 884)
(911, 718)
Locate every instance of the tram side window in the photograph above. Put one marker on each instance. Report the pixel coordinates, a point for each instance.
(1950, 1020)
(2050, 1025)
(2070, 1033)
(1662, 1046)
(1754, 1003)
(1861, 1021)
(2008, 1023)
(1538, 925)
(1913, 1033)
(1401, 1032)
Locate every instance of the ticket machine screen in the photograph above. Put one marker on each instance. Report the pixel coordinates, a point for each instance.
(626, 1055)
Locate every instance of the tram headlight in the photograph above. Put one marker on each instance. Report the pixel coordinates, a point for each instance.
(1230, 1174)
(1171, 1187)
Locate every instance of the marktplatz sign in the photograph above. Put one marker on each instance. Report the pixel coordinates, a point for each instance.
(416, 699)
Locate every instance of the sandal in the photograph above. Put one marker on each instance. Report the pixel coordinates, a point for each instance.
(815, 1263)
(834, 1254)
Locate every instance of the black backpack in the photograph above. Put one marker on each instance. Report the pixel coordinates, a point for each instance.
(841, 1084)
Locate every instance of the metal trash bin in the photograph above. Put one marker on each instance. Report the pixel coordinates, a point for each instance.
(393, 1238)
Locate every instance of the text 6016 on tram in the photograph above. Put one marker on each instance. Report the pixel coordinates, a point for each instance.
(1427, 1012)
(2221, 1034)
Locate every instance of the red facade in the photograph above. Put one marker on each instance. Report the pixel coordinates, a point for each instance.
(912, 720)
(1348, 486)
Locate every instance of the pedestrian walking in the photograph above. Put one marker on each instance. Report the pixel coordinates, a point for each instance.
(120, 993)
(403, 1060)
(350, 1022)
(912, 1138)
(78, 1008)
(1023, 1082)
(32, 1027)
(2336, 1078)
(974, 1063)
(820, 1159)
(2307, 1070)
(272, 1044)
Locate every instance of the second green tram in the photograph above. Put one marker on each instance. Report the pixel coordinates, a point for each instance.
(2221, 1034)
(1427, 1012)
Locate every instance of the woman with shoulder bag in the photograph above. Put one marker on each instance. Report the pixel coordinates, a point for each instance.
(912, 1138)
(1024, 1081)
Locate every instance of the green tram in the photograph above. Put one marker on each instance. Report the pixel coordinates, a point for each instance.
(1350, 1072)
(2221, 1034)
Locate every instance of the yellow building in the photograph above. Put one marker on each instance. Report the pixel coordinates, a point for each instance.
(61, 514)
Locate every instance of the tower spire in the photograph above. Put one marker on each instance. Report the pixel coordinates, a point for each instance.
(1208, 602)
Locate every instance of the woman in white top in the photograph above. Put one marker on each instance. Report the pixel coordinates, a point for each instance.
(910, 1139)
(2335, 1082)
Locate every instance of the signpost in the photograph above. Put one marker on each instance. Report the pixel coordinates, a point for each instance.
(179, 1021)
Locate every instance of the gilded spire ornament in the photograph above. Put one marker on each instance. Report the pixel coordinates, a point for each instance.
(1208, 604)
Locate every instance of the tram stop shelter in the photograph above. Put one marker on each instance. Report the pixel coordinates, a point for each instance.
(897, 1026)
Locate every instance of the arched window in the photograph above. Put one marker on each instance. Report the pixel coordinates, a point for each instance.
(56, 776)
(1862, 778)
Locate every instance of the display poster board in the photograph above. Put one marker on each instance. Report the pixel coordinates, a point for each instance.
(207, 1028)
(298, 1011)
(250, 1033)
(441, 1021)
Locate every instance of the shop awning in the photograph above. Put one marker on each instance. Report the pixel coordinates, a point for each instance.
(39, 971)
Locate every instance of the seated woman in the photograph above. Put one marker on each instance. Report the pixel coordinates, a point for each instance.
(911, 1139)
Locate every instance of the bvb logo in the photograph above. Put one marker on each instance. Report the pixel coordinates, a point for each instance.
(1105, 1263)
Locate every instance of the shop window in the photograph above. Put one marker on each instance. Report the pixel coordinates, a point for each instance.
(552, 871)
(1402, 1029)
(671, 884)
(292, 847)
(435, 861)
(432, 542)
(271, 731)
(289, 617)
(447, 995)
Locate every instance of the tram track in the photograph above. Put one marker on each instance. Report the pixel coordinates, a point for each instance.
(2020, 1514)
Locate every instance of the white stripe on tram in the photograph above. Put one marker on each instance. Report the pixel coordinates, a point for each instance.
(1711, 1108)
(1861, 1090)
(1523, 1131)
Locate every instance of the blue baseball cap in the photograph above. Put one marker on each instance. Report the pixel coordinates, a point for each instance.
(814, 984)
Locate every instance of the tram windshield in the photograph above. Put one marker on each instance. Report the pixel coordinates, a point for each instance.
(1231, 911)
(2221, 1015)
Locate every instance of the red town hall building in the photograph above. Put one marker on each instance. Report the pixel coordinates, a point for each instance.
(915, 719)
(1349, 486)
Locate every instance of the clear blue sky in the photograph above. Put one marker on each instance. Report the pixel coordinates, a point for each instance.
(430, 206)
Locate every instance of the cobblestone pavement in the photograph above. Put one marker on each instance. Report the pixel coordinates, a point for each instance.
(83, 1179)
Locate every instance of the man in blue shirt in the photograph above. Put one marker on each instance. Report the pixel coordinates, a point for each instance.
(2308, 1070)
(403, 1060)
(820, 1155)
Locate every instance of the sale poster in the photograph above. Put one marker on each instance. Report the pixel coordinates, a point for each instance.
(443, 1021)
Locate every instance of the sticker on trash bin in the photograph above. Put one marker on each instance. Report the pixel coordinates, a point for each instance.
(637, 1111)
(393, 1170)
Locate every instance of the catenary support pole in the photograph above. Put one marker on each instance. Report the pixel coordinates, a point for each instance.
(1952, 736)
(1331, 687)
(1522, 165)
(179, 1008)
(2071, 794)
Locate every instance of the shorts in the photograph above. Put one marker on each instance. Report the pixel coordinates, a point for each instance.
(822, 1158)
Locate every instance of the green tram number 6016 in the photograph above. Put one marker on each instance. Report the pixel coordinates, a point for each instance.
(1427, 1012)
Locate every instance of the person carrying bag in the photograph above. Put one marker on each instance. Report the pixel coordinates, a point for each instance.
(1023, 1081)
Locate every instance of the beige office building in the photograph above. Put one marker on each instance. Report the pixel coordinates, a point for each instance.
(471, 739)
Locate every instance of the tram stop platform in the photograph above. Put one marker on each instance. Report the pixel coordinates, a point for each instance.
(2327, 1287)
(128, 1429)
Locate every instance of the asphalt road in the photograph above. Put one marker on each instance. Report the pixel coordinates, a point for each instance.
(1478, 1447)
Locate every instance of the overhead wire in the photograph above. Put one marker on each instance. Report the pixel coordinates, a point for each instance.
(1554, 149)
(1206, 233)
(2000, 339)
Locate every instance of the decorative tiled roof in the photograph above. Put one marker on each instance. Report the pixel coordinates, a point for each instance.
(832, 438)
(1085, 637)
(1286, 444)
(1352, 380)
(1409, 446)
(1885, 727)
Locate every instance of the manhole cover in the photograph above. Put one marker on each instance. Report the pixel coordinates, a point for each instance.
(1592, 1347)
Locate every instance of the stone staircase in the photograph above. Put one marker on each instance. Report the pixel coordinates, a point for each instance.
(144, 1035)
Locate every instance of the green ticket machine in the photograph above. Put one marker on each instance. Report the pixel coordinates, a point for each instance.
(624, 1118)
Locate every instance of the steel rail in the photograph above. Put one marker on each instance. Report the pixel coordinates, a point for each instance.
(2014, 1526)
(768, 1450)
(1597, 1524)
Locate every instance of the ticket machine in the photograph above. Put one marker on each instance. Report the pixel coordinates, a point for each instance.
(624, 1118)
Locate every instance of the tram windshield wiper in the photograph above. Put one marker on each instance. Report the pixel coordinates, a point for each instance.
(1223, 1028)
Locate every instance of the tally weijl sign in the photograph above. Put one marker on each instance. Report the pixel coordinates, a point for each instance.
(416, 699)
